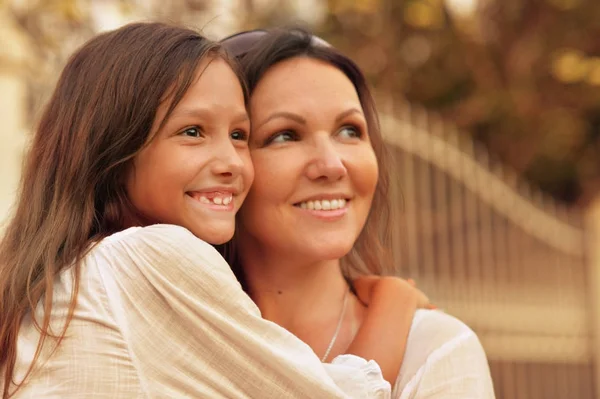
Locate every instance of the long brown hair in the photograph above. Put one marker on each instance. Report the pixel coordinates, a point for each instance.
(371, 253)
(72, 194)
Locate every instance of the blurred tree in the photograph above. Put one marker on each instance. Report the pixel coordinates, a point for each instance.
(521, 76)
(55, 28)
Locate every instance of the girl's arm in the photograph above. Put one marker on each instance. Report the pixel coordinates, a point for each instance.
(192, 332)
(383, 335)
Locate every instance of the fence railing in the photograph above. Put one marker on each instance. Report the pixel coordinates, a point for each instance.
(495, 252)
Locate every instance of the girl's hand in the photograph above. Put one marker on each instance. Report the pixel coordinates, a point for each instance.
(391, 304)
(368, 286)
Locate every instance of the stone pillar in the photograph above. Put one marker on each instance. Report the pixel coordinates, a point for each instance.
(13, 88)
(593, 261)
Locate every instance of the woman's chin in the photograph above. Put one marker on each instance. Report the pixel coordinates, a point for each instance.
(327, 250)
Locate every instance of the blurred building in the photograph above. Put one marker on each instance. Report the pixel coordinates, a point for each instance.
(490, 249)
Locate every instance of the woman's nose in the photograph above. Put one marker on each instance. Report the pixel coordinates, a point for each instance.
(326, 163)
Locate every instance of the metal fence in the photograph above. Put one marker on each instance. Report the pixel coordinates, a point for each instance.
(496, 253)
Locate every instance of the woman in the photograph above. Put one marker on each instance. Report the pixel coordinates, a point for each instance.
(110, 287)
(317, 213)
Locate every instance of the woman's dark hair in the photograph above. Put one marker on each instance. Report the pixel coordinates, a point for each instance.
(371, 252)
(72, 193)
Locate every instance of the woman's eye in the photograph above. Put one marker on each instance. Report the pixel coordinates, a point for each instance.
(350, 132)
(282, 137)
(239, 135)
(193, 131)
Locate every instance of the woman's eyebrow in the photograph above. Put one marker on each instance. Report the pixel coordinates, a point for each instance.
(301, 120)
(346, 113)
(283, 114)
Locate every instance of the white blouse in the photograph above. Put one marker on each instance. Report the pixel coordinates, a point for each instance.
(443, 360)
(160, 315)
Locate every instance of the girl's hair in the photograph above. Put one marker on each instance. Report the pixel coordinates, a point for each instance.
(72, 191)
(371, 252)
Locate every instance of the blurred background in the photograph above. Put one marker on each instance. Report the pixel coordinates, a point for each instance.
(491, 110)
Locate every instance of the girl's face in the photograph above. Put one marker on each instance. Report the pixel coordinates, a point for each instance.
(196, 171)
(316, 171)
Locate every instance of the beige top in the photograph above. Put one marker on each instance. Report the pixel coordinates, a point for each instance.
(160, 315)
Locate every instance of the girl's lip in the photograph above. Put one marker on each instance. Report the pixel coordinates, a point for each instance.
(223, 208)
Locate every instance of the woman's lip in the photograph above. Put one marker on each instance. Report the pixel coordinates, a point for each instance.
(299, 204)
(330, 215)
(327, 197)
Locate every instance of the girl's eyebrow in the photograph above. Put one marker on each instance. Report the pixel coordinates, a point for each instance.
(205, 113)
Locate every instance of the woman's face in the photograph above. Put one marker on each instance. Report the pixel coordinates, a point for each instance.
(196, 171)
(316, 171)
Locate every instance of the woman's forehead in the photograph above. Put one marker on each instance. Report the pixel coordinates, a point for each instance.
(302, 79)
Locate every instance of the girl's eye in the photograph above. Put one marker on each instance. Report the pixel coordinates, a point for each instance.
(350, 132)
(239, 135)
(193, 131)
(282, 137)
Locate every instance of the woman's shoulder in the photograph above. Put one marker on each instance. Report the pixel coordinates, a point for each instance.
(434, 333)
(438, 326)
(438, 345)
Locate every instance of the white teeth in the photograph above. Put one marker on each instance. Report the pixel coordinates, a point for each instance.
(325, 205)
(216, 200)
